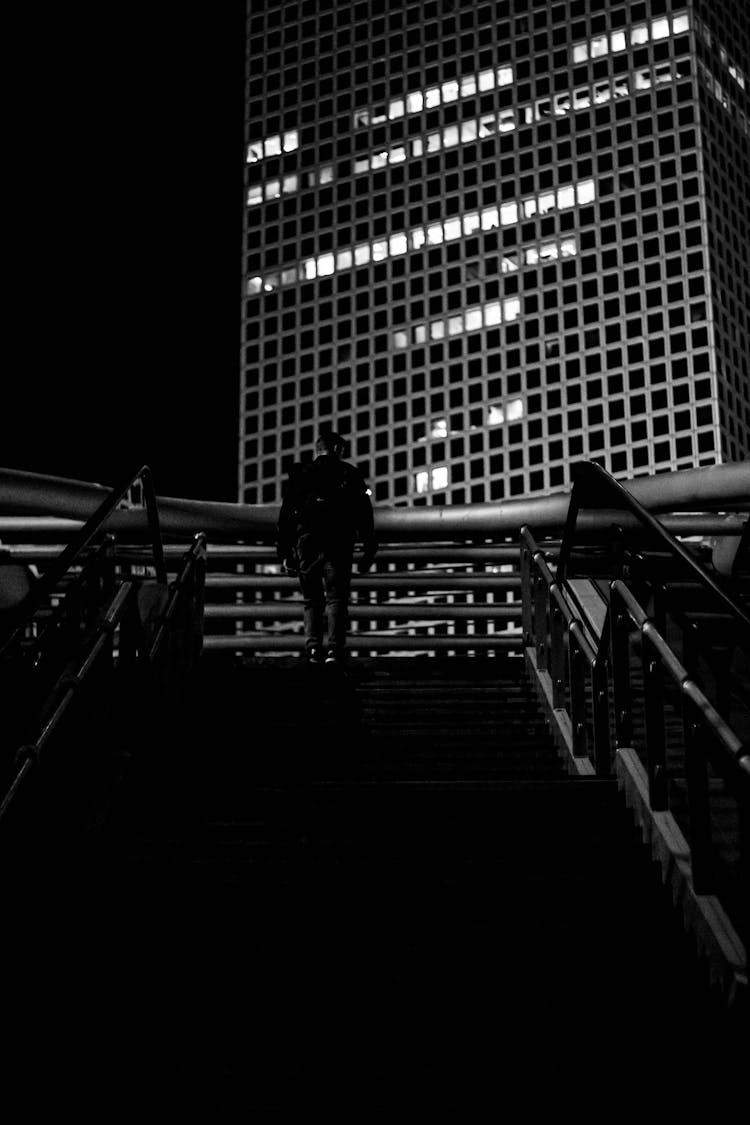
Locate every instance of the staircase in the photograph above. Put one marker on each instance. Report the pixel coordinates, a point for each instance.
(359, 892)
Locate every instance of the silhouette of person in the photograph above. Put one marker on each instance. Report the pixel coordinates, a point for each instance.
(326, 508)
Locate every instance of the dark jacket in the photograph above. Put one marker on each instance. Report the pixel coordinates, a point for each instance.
(329, 499)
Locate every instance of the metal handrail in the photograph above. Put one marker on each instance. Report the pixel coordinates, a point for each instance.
(66, 687)
(594, 487)
(71, 554)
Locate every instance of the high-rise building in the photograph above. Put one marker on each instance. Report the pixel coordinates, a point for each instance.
(487, 239)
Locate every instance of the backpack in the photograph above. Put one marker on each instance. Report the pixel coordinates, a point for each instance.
(325, 496)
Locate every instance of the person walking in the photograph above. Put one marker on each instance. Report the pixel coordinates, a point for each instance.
(325, 509)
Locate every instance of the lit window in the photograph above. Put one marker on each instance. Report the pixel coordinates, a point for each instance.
(273, 189)
(379, 160)
(618, 41)
(439, 427)
(308, 269)
(414, 102)
(506, 121)
(272, 146)
(416, 238)
(471, 222)
(486, 80)
(492, 313)
(379, 116)
(432, 97)
(580, 52)
(565, 197)
(325, 176)
(440, 477)
(270, 282)
(621, 90)
(599, 46)
(511, 308)
(362, 254)
(473, 320)
(663, 73)
(514, 409)
(361, 117)
(398, 154)
(437, 330)
(434, 142)
(417, 147)
(291, 183)
(344, 260)
(490, 218)
(468, 86)
(680, 23)
(325, 265)
(509, 261)
(602, 92)
(254, 285)
(639, 34)
(643, 80)
(495, 416)
(255, 152)
(291, 141)
(562, 104)
(400, 340)
(450, 91)
(254, 195)
(450, 135)
(455, 325)
(398, 244)
(379, 251)
(505, 76)
(659, 29)
(508, 214)
(420, 334)
(546, 202)
(531, 255)
(422, 481)
(581, 98)
(585, 191)
(527, 115)
(529, 207)
(487, 125)
(361, 165)
(396, 108)
(543, 108)
(435, 234)
(452, 229)
(288, 277)
(568, 248)
(468, 131)
(548, 252)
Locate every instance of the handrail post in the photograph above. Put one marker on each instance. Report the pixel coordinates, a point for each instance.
(699, 807)
(557, 655)
(599, 687)
(526, 586)
(540, 621)
(577, 684)
(620, 665)
(656, 754)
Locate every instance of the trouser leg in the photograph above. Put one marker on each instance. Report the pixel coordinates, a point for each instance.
(337, 572)
(313, 594)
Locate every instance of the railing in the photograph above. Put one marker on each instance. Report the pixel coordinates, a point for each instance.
(617, 657)
(90, 609)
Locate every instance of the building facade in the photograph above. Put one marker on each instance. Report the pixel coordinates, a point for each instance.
(484, 240)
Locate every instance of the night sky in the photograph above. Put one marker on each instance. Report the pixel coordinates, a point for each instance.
(124, 163)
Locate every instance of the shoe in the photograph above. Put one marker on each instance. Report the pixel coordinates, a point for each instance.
(333, 656)
(314, 656)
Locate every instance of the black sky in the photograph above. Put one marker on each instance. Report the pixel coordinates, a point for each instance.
(122, 337)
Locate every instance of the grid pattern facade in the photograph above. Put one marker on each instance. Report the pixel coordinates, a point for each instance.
(484, 240)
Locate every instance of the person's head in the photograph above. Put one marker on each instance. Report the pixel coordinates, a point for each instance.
(329, 444)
